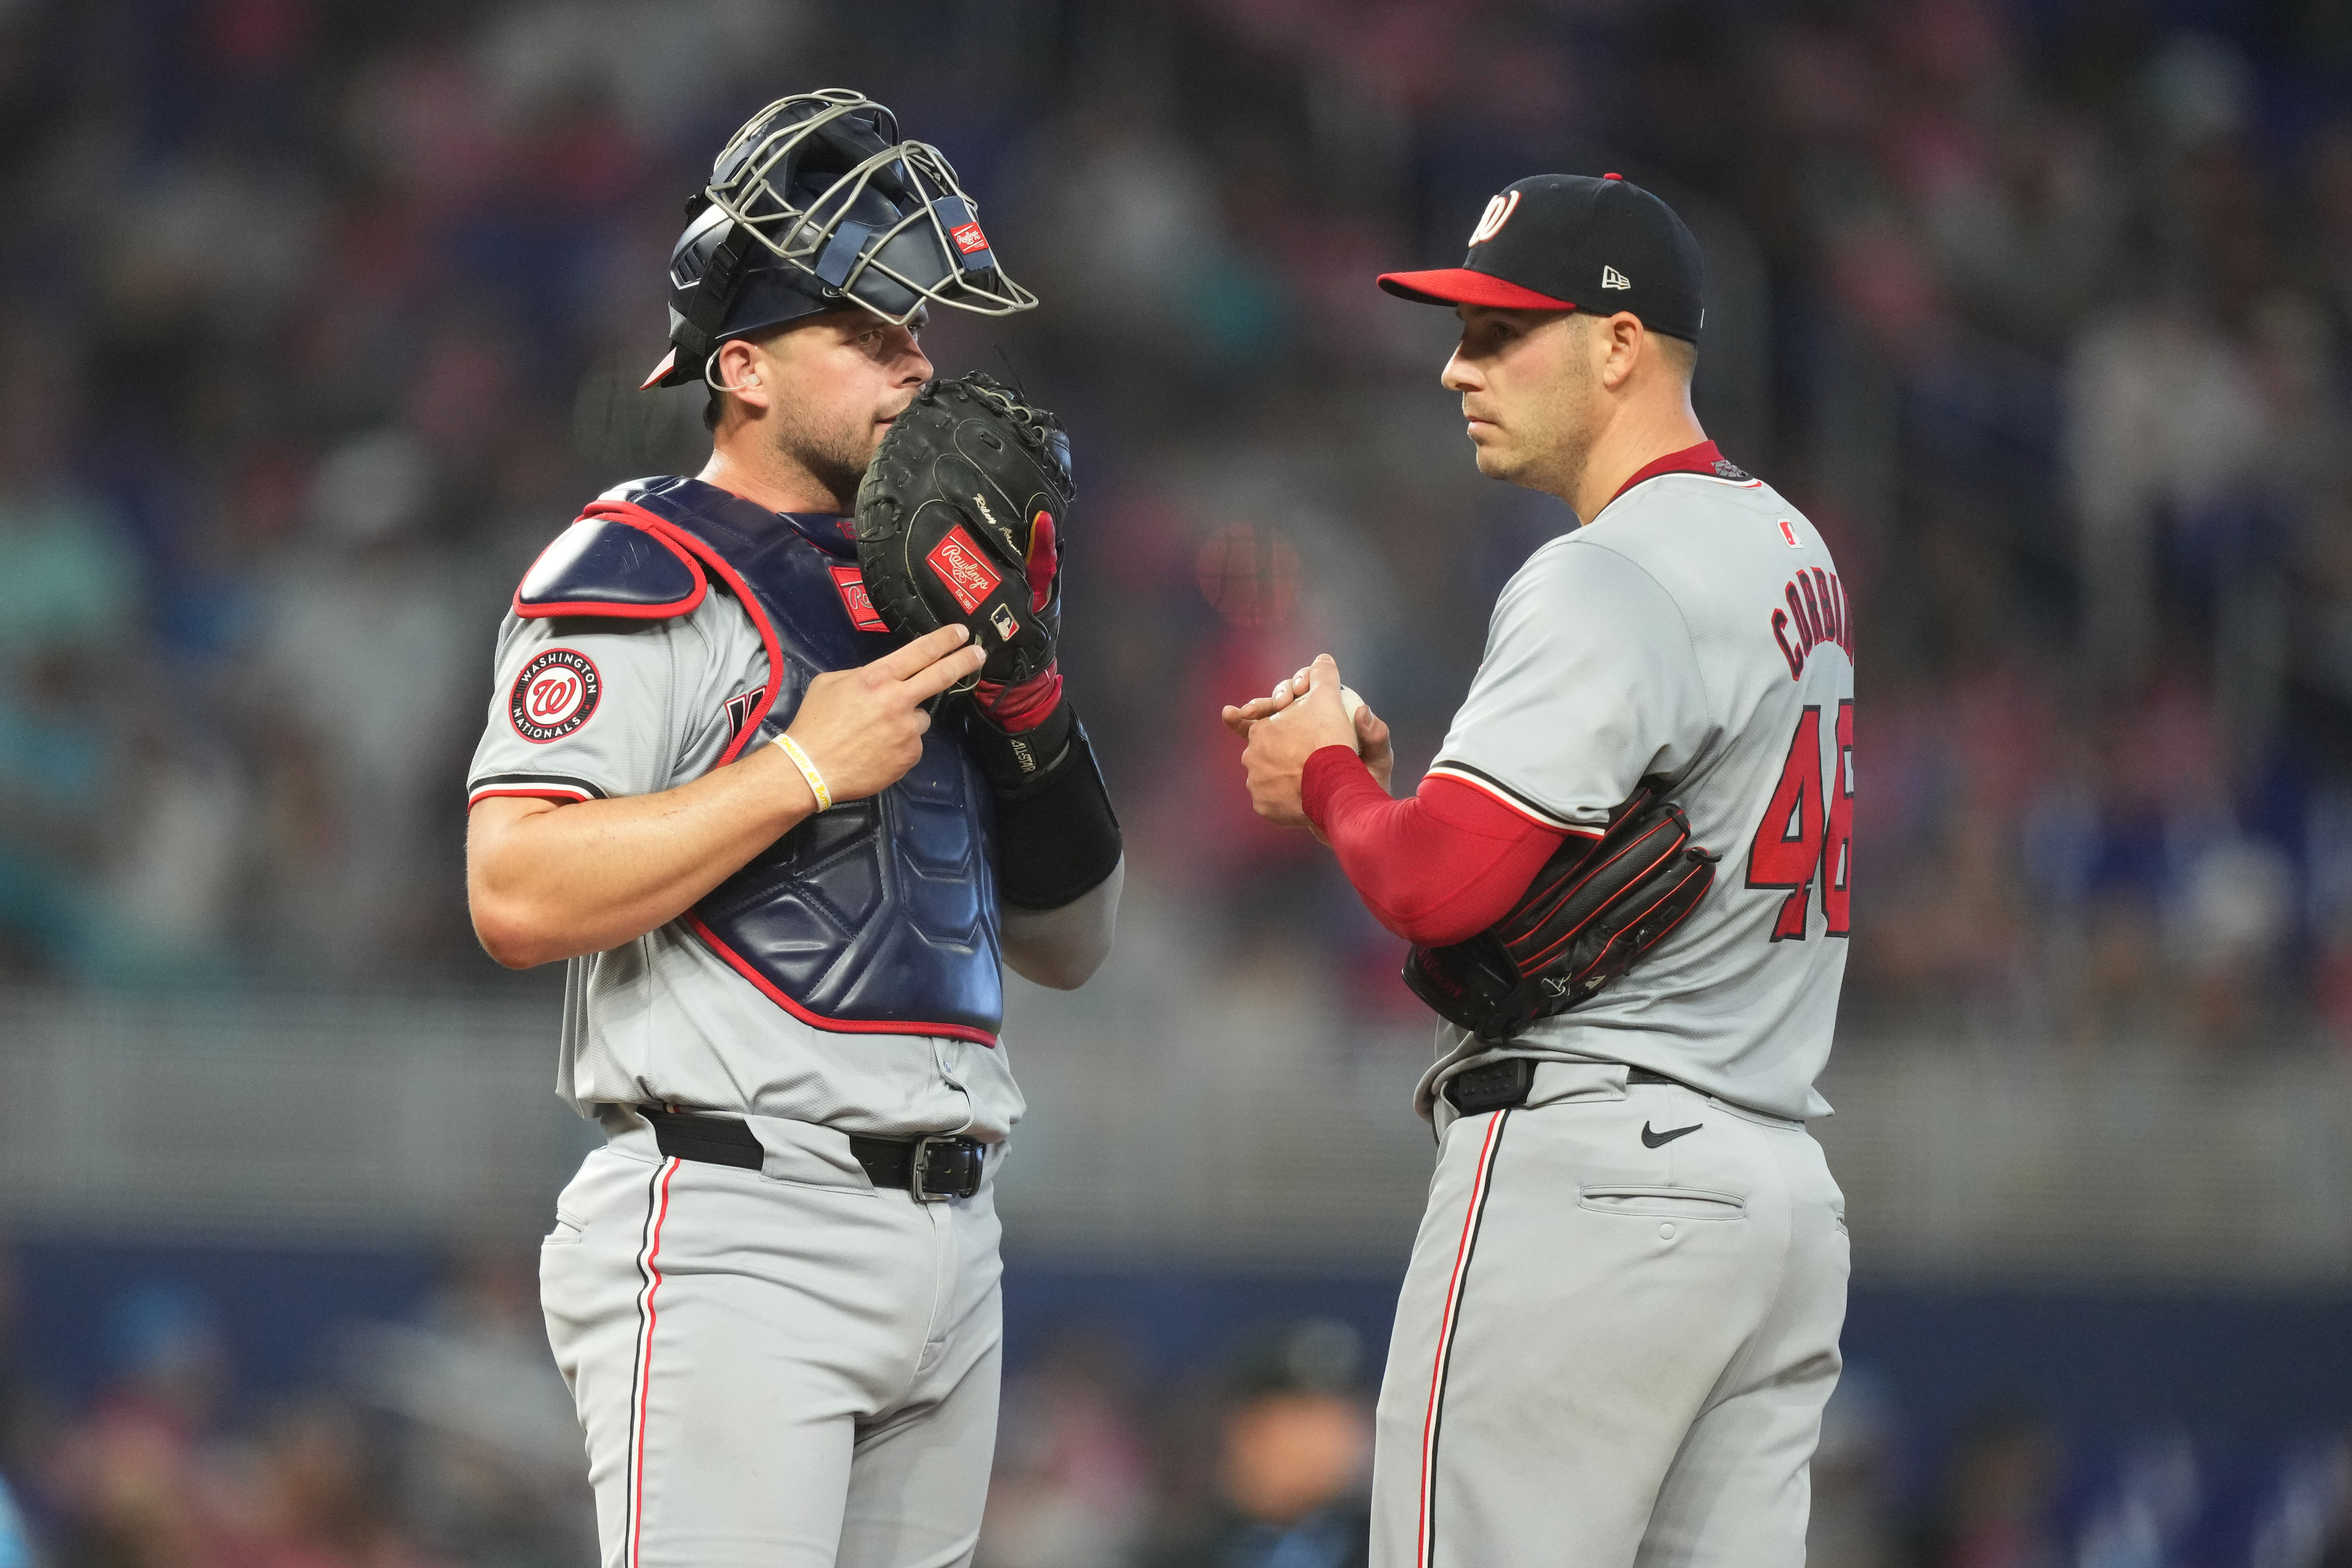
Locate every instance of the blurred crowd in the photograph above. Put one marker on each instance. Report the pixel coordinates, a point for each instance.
(436, 1442)
(319, 318)
(446, 1440)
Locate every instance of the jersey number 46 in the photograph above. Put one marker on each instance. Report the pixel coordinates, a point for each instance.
(1807, 834)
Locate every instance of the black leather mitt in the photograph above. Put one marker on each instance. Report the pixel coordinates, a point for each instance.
(959, 519)
(1590, 915)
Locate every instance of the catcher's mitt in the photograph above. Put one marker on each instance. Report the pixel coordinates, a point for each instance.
(959, 518)
(1588, 915)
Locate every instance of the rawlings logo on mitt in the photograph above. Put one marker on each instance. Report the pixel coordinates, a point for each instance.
(959, 519)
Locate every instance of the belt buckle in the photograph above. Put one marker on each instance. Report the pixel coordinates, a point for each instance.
(919, 1167)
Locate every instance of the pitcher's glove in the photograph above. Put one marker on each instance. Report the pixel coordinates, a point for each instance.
(1588, 915)
(959, 518)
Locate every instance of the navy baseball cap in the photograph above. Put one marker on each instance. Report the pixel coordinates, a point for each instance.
(1570, 242)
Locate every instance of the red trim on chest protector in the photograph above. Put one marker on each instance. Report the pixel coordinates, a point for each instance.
(769, 989)
(734, 960)
(635, 516)
(678, 538)
(1700, 459)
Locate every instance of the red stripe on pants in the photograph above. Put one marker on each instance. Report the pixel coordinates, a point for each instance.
(645, 1367)
(1424, 1539)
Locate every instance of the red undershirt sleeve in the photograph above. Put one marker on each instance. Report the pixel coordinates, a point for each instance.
(1434, 868)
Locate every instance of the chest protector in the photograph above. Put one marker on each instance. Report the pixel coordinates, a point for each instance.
(879, 916)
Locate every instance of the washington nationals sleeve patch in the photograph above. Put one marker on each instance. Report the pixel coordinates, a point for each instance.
(556, 694)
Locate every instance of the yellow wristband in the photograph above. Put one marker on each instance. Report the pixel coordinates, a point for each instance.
(808, 771)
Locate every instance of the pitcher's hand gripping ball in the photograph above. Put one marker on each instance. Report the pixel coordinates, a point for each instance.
(960, 519)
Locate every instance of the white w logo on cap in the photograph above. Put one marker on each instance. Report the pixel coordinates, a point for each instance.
(1498, 212)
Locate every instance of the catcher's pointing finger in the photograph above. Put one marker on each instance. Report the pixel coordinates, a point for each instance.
(950, 669)
(925, 653)
(942, 669)
(863, 728)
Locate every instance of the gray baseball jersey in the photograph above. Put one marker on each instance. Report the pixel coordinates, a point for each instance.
(589, 708)
(1676, 1229)
(1696, 629)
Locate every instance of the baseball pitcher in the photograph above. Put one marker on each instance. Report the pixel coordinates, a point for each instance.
(785, 786)
(1626, 883)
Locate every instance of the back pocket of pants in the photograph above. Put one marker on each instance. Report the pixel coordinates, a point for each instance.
(567, 1231)
(1663, 1203)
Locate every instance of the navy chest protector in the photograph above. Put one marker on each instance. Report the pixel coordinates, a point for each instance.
(877, 916)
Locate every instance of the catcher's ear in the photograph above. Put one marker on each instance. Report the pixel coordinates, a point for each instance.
(737, 368)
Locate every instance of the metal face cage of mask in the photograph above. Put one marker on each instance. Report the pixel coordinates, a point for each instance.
(822, 181)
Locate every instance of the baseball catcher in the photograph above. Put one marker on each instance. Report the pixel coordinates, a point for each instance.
(780, 764)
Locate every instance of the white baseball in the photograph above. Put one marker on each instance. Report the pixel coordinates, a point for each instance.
(1349, 703)
(1353, 705)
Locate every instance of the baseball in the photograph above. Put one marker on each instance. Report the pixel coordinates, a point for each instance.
(1353, 705)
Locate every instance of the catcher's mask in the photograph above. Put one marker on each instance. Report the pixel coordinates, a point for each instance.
(814, 204)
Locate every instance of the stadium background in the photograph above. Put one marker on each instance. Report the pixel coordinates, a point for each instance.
(317, 319)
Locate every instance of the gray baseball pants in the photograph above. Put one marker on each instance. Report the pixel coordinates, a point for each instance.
(787, 1374)
(1614, 1339)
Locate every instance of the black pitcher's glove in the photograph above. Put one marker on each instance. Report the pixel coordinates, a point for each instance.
(959, 518)
(1588, 915)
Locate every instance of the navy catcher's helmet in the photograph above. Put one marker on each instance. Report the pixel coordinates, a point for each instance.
(815, 203)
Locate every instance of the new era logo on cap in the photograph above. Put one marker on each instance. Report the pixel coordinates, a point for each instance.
(1570, 242)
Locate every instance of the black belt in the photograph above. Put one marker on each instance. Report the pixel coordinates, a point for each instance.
(1499, 1085)
(931, 1169)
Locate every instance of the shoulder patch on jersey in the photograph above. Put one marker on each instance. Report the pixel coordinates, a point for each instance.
(608, 563)
(555, 693)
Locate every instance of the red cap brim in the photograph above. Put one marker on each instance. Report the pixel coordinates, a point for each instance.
(669, 364)
(1459, 286)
